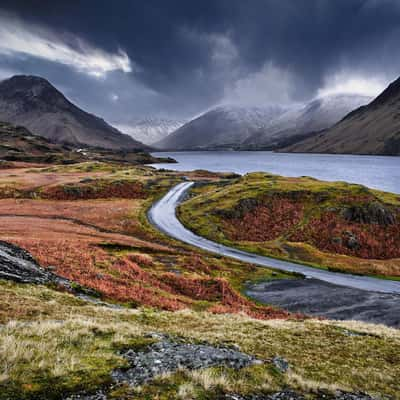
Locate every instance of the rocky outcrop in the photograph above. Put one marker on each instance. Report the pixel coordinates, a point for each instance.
(372, 213)
(18, 265)
(169, 355)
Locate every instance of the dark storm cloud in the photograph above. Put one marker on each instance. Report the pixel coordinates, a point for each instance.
(188, 55)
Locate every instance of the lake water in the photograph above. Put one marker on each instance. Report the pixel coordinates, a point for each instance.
(374, 171)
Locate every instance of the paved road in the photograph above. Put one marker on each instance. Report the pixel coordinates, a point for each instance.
(323, 299)
(163, 216)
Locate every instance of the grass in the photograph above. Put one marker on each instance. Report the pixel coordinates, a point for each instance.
(52, 342)
(291, 218)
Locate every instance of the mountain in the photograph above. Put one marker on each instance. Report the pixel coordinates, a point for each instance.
(371, 129)
(261, 128)
(223, 127)
(150, 130)
(305, 120)
(33, 102)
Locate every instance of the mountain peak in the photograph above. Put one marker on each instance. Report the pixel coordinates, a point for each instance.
(25, 82)
(33, 102)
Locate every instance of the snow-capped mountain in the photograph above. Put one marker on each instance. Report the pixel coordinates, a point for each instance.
(371, 129)
(261, 127)
(306, 119)
(221, 127)
(150, 130)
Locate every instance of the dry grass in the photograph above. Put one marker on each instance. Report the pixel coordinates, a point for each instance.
(65, 343)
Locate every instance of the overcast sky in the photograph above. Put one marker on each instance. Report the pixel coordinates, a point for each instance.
(175, 58)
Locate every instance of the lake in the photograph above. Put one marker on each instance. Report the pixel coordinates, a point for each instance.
(377, 172)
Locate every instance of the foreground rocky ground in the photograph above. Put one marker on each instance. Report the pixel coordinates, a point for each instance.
(95, 304)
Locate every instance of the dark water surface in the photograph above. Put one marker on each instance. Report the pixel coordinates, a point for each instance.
(377, 172)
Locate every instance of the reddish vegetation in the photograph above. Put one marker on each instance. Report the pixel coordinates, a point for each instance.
(24, 179)
(92, 267)
(219, 291)
(19, 164)
(332, 233)
(265, 222)
(123, 280)
(96, 190)
(116, 215)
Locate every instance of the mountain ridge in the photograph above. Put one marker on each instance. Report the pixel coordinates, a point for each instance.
(33, 102)
(258, 128)
(370, 129)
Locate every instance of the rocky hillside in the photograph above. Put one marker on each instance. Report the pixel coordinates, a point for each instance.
(371, 129)
(33, 102)
(224, 127)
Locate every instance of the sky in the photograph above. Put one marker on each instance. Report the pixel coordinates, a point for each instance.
(173, 59)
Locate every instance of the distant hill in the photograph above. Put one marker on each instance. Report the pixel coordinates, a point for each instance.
(19, 144)
(305, 120)
(371, 129)
(150, 130)
(222, 127)
(33, 102)
(261, 128)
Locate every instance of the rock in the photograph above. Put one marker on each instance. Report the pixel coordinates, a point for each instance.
(99, 395)
(168, 356)
(18, 265)
(281, 364)
(351, 240)
(285, 395)
(373, 213)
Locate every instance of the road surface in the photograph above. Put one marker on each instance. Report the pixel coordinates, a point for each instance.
(163, 216)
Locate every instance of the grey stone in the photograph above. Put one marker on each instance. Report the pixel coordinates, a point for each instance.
(280, 363)
(168, 355)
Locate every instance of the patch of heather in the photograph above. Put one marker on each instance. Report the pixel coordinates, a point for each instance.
(265, 222)
(195, 263)
(122, 279)
(332, 233)
(97, 189)
(226, 298)
(119, 215)
(92, 267)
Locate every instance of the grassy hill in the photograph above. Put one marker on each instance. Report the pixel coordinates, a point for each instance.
(326, 224)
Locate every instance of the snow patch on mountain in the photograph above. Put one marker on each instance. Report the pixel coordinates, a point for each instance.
(149, 130)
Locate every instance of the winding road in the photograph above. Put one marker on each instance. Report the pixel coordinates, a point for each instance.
(163, 215)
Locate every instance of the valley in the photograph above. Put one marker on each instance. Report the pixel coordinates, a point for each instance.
(125, 284)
